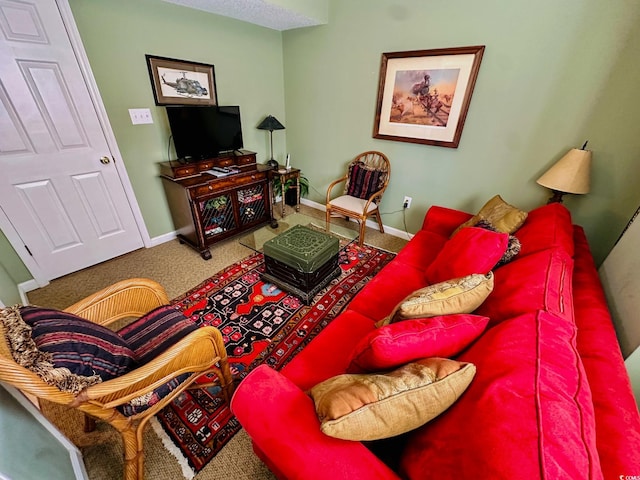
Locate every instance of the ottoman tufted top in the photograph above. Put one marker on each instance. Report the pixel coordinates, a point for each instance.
(302, 248)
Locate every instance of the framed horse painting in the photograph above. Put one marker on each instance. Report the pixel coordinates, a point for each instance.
(424, 95)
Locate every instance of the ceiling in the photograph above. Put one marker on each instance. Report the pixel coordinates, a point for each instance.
(259, 12)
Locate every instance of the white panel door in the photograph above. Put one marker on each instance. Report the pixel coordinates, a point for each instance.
(59, 187)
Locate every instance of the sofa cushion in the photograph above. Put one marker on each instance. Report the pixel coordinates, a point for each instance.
(443, 221)
(471, 250)
(330, 351)
(549, 226)
(541, 280)
(383, 292)
(421, 250)
(65, 350)
(505, 217)
(527, 414)
(375, 406)
(394, 345)
(458, 295)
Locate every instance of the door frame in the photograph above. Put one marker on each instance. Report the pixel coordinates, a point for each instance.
(83, 61)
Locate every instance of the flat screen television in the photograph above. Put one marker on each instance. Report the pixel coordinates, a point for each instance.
(201, 132)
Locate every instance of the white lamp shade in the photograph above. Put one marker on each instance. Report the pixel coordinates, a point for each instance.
(570, 174)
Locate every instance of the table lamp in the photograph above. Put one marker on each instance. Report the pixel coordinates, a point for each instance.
(271, 123)
(570, 174)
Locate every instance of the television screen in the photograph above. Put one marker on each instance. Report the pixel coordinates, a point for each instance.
(204, 132)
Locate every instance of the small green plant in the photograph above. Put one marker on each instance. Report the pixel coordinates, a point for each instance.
(290, 198)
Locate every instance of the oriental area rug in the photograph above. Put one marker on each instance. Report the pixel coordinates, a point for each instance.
(260, 324)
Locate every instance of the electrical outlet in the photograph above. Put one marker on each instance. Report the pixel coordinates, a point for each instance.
(140, 116)
(406, 203)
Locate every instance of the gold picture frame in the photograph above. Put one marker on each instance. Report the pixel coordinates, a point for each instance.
(424, 95)
(180, 82)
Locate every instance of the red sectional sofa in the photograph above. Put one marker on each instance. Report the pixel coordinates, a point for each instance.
(551, 398)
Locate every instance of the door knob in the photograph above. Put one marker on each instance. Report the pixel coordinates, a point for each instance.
(105, 160)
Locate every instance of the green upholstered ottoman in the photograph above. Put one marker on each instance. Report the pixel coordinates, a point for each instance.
(301, 261)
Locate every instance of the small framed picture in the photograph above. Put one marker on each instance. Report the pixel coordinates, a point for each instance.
(424, 95)
(180, 82)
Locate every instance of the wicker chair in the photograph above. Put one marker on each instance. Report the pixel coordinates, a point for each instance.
(200, 352)
(360, 201)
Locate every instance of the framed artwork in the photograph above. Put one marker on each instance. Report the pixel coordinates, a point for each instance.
(179, 82)
(424, 95)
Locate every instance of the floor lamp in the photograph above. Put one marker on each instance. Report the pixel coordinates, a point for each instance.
(271, 123)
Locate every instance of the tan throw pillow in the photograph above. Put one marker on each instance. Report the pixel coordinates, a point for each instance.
(459, 295)
(504, 217)
(374, 406)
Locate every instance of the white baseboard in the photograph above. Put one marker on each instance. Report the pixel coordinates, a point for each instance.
(26, 287)
(167, 237)
(29, 285)
(370, 223)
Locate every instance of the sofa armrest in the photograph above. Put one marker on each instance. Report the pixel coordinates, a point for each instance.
(443, 220)
(281, 420)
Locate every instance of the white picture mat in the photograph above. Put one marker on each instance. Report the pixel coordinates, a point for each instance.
(462, 62)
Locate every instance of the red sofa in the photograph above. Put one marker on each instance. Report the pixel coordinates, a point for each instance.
(551, 397)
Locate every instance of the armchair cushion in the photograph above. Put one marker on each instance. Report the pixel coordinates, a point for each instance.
(363, 182)
(148, 400)
(156, 331)
(352, 204)
(66, 351)
(148, 337)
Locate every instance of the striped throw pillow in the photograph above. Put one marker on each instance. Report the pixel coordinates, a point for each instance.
(363, 182)
(84, 347)
(156, 331)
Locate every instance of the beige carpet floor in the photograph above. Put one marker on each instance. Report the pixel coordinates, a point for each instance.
(178, 268)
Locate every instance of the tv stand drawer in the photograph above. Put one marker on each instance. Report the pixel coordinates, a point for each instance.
(232, 181)
(176, 169)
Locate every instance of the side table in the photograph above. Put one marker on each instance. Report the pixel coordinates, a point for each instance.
(283, 175)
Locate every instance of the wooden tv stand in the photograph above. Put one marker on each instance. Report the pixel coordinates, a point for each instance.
(207, 209)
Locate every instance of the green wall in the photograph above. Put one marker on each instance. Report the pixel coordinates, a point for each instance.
(117, 34)
(553, 75)
(9, 294)
(550, 71)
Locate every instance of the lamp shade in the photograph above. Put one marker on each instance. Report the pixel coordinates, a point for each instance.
(270, 123)
(570, 174)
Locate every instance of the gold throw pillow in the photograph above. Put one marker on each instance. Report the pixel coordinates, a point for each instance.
(380, 405)
(459, 295)
(503, 217)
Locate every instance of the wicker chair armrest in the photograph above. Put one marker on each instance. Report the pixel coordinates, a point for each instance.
(128, 298)
(196, 352)
(333, 184)
(373, 197)
(27, 381)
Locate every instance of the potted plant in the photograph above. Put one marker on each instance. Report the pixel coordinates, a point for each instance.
(290, 193)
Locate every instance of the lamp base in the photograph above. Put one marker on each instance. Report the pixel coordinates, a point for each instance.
(273, 164)
(556, 197)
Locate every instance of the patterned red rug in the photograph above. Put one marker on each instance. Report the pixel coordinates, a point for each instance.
(260, 324)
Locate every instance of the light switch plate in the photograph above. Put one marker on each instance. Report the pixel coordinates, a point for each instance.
(140, 116)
